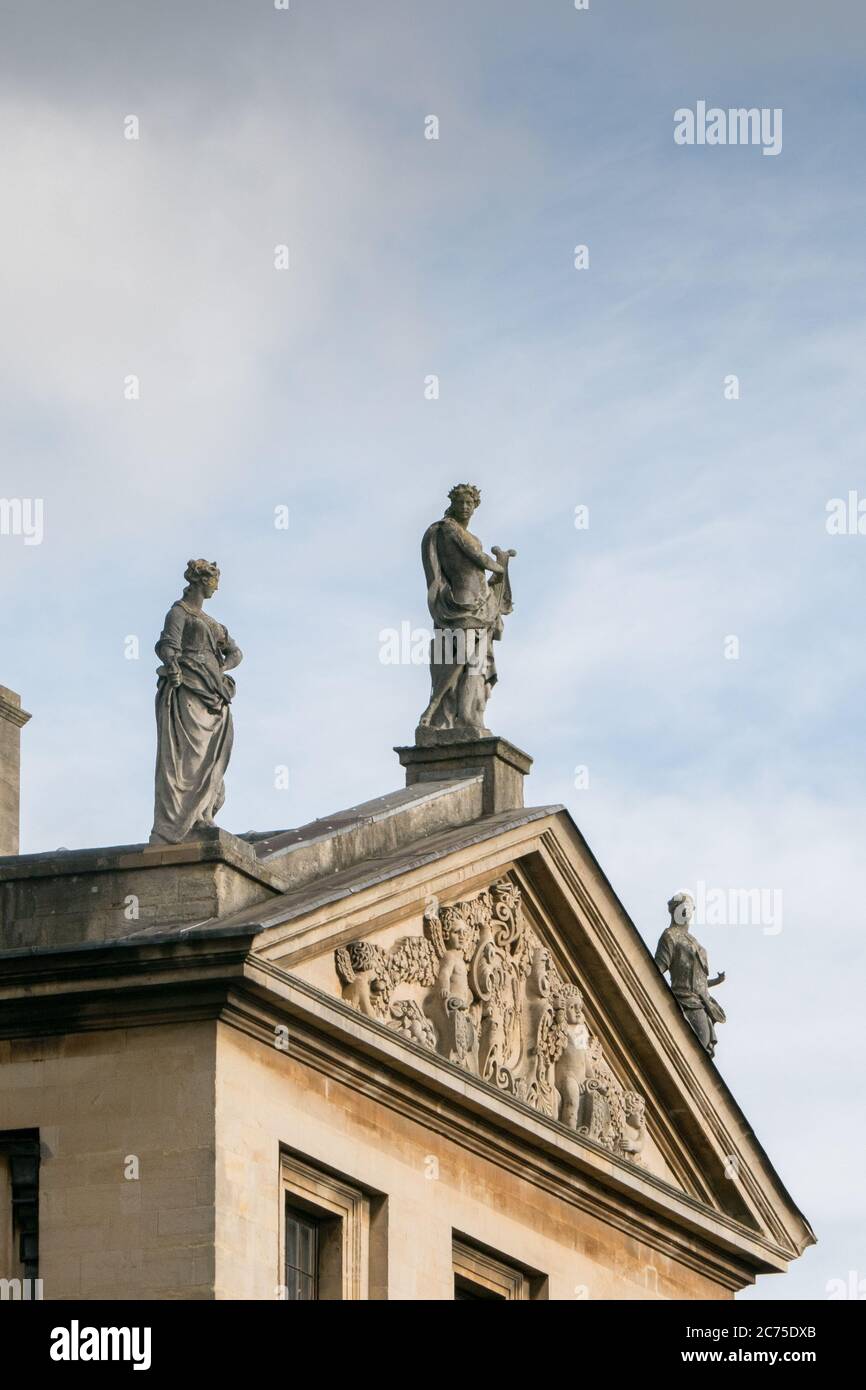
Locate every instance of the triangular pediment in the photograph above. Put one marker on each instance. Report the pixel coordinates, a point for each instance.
(507, 955)
(482, 981)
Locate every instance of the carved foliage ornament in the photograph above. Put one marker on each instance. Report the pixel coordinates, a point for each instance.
(480, 989)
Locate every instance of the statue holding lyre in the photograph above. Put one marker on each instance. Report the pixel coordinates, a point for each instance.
(467, 609)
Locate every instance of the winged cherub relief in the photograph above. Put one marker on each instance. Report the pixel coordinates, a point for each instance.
(477, 987)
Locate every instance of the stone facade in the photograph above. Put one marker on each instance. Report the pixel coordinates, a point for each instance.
(109, 1103)
(12, 720)
(422, 1025)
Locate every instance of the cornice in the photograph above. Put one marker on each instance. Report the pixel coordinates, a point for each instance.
(153, 981)
(666, 1033)
(646, 1019)
(340, 1042)
(12, 713)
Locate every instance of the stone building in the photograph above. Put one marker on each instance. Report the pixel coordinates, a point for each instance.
(414, 1050)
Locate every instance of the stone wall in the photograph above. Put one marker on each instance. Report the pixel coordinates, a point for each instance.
(101, 1100)
(433, 1187)
(65, 898)
(12, 718)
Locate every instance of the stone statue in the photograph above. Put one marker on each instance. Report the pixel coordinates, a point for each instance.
(193, 711)
(362, 972)
(449, 1001)
(542, 1042)
(467, 610)
(479, 989)
(634, 1128)
(492, 986)
(573, 1066)
(679, 953)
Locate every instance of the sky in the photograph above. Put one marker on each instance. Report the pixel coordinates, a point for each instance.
(697, 648)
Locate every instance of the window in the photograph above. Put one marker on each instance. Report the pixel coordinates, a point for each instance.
(302, 1255)
(325, 1234)
(481, 1275)
(19, 1204)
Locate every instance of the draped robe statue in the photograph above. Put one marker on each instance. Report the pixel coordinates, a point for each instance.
(193, 711)
(685, 959)
(467, 610)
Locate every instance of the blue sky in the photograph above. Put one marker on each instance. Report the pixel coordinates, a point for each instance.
(558, 387)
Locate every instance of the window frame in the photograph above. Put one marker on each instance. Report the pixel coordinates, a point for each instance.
(342, 1212)
(493, 1277)
(20, 1151)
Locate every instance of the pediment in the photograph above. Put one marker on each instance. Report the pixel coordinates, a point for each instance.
(479, 982)
(512, 960)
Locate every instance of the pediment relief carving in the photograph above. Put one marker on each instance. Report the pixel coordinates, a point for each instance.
(480, 988)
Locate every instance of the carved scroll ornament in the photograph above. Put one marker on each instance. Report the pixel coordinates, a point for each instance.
(480, 989)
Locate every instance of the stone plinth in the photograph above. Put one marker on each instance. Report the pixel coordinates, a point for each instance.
(440, 754)
(12, 720)
(68, 897)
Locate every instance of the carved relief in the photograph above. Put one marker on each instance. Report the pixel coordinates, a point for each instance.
(481, 990)
(364, 973)
(634, 1130)
(448, 1004)
(573, 1066)
(409, 1020)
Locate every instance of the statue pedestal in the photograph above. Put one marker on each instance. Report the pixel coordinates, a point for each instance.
(441, 755)
(67, 897)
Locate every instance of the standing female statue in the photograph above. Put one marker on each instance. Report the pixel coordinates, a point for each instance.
(193, 711)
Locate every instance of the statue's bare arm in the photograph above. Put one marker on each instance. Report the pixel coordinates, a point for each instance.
(478, 556)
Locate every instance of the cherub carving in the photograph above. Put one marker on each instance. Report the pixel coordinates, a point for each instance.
(479, 988)
(532, 1084)
(448, 1003)
(634, 1126)
(363, 971)
(491, 979)
(574, 1064)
